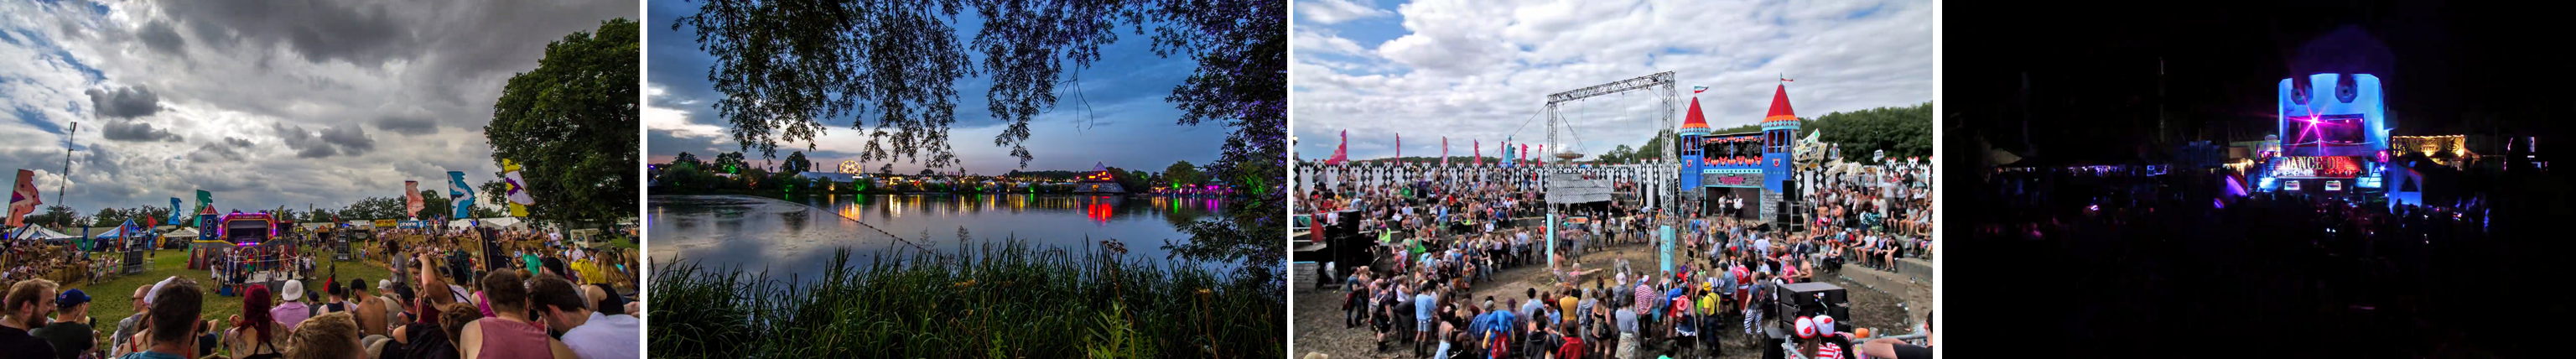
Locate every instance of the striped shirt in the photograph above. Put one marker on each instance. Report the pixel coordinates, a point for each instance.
(1829, 350)
(1645, 299)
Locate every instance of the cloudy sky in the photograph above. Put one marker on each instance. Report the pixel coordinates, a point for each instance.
(1482, 70)
(264, 103)
(1126, 124)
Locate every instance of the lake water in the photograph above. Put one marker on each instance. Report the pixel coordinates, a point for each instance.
(800, 234)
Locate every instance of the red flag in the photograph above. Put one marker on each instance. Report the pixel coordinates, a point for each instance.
(1479, 145)
(1444, 151)
(1399, 147)
(1341, 151)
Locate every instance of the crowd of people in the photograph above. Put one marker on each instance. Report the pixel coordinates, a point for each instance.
(1440, 240)
(28, 260)
(507, 313)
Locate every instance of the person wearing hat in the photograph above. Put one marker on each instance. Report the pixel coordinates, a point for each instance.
(70, 331)
(293, 311)
(26, 304)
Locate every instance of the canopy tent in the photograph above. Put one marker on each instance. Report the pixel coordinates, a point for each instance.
(112, 233)
(495, 223)
(182, 233)
(40, 232)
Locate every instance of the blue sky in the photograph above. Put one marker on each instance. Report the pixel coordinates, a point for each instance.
(1476, 70)
(1127, 123)
(264, 103)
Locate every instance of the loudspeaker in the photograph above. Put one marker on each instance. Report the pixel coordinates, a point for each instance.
(1810, 299)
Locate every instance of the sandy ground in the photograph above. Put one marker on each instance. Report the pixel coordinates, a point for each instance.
(1318, 322)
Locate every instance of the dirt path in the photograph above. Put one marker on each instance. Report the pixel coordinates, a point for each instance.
(1318, 313)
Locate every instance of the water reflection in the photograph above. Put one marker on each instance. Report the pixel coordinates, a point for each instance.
(798, 234)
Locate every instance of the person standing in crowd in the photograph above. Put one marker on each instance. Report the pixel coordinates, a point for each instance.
(329, 336)
(508, 333)
(70, 333)
(369, 310)
(256, 334)
(28, 303)
(175, 307)
(293, 311)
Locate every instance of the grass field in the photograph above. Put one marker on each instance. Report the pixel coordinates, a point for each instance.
(998, 301)
(111, 299)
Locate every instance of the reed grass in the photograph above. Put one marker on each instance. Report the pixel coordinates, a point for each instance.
(989, 300)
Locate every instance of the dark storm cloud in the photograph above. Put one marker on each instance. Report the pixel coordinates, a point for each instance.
(350, 138)
(229, 149)
(319, 30)
(127, 102)
(331, 141)
(138, 131)
(407, 125)
(160, 37)
(662, 144)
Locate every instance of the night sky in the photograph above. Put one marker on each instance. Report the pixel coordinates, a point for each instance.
(2446, 68)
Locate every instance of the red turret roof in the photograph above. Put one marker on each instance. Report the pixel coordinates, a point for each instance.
(1780, 110)
(1694, 121)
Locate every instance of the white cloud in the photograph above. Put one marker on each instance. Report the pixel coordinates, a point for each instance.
(1481, 70)
(1328, 12)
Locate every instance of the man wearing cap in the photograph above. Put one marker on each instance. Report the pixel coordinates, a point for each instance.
(70, 331)
(27, 303)
(294, 312)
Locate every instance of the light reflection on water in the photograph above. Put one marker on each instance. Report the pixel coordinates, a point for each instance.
(792, 236)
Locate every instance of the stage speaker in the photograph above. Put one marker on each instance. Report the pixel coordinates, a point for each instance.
(1810, 299)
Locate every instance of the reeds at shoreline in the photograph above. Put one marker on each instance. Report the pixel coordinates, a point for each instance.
(989, 300)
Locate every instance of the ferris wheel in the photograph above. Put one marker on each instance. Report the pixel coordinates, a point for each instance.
(851, 167)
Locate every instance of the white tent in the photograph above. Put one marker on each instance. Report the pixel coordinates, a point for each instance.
(40, 232)
(498, 223)
(190, 233)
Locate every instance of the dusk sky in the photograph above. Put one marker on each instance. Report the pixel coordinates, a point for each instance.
(1127, 124)
(1482, 70)
(265, 104)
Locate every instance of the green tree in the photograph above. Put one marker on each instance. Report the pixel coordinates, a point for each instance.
(111, 216)
(796, 163)
(686, 158)
(1902, 131)
(54, 215)
(571, 122)
(926, 172)
(434, 204)
(729, 162)
(1183, 173)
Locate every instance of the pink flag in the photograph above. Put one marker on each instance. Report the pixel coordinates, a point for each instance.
(1444, 151)
(1479, 145)
(1341, 151)
(1399, 147)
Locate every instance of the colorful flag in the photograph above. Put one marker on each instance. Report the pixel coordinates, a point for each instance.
(205, 205)
(1698, 89)
(519, 198)
(175, 213)
(459, 195)
(23, 201)
(1399, 147)
(411, 196)
(1444, 151)
(1341, 152)
(1479, 145)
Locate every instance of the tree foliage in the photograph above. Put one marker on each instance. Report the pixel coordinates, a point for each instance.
(1183, 173)
(564, 120)
(1902, 131)
(796, 163)
(730, 162)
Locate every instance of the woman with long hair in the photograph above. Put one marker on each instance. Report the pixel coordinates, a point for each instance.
(255, 335)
